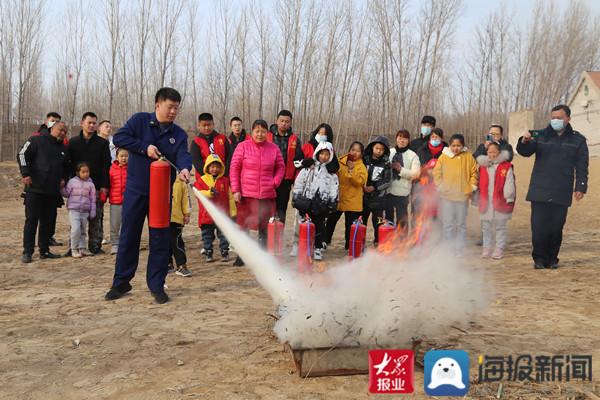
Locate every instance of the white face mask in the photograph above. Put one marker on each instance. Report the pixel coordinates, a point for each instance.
(50, 124)
(321, 138)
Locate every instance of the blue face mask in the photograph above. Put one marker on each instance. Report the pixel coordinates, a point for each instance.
(321, 138)
(435, 142)
(425, 130)
(557, 124)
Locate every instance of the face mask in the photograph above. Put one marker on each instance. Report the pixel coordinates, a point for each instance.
(425, 130)
(557, 124)
(435, 142)
(321, 138)
(50, 124)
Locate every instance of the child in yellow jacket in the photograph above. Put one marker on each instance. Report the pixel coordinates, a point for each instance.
(455, 175)
(180, 216)
(352, 176)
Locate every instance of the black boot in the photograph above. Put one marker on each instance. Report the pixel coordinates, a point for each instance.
(160, 297)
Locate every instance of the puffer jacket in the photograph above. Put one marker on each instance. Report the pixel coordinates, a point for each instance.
(317, 183)
(351, 185)
(217, 189)
(118, 180)
(256, 170)
(81, 195)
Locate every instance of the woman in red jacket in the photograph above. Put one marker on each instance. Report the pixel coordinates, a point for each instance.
(118, 179)
(256, 171)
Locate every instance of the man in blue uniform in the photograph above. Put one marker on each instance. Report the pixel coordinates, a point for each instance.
(147, 136)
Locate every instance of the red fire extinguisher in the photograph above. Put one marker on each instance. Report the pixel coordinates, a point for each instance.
(275, 236)
(159, 213)
(306, 244)
(358, 237)
(386, 232)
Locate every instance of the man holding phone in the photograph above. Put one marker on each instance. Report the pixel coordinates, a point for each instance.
(495, 136)
(560, 172)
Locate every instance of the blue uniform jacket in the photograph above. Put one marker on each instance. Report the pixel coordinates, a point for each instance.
(142, 130)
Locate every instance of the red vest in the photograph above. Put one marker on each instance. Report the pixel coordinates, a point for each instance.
(218, 146)
(290, 169)
(499, 202)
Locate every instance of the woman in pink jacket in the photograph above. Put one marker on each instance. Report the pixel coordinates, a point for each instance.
(255, 172)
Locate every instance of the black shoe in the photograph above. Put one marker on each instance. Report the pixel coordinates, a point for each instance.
(225, 255)
(68, 253)
(208, 256)
(117, 292)
(538, 265)
(238, 262)
(49, 255)
(26, 258)
(53, 242)
(160, 297)
(97, 251)
(554, 264)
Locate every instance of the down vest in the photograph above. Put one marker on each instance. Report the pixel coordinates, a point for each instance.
(118, 180)
(256, 169)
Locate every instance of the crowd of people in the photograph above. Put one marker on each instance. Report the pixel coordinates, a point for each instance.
(251, 176)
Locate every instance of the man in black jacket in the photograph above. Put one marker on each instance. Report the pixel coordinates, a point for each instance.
(560, 172)
(90, 148)
(495, 136)
(427, 124)
(44, 166)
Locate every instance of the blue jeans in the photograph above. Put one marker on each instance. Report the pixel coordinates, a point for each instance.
(208, 237)
(79, 223)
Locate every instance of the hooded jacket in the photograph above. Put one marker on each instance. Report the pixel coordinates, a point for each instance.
(561, 165)
(217, 189)
(455, 175)
(180, 203)
(81, 195)
(317, 183)
(351, 185)
(257, 169)
(379, 173)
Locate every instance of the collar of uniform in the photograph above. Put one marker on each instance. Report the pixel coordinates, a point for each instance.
(154, 122)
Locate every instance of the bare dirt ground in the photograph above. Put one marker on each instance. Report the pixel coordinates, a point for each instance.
(59, 339)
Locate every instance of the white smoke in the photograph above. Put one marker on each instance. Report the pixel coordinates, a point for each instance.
(376, 300)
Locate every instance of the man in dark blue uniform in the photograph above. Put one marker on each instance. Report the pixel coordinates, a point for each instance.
(147, 136)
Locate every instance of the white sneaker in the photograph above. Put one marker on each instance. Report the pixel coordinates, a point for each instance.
(318, 255)
(202, 251)
(105, 241)
(294, 252)
(113, 250)
(76, 254)
(324, 246)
